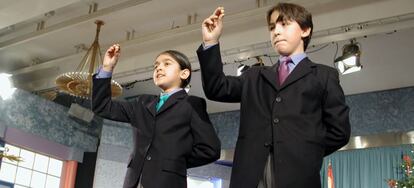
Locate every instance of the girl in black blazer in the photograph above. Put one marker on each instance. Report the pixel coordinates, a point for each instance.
(172, 131)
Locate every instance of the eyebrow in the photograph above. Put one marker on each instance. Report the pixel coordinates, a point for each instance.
(166, 60)
(271, 23)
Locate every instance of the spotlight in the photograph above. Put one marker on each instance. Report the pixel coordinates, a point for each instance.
(259, 61)
(6, 86)
(241, 69)
(349, 62)
(187, 88)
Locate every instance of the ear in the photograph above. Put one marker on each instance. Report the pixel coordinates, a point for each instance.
(306, 32)
(184, 74)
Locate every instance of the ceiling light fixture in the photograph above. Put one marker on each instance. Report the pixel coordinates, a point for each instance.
(259, 61)
(241, 69)
(79, 83)
(6, 86)
(349, 62)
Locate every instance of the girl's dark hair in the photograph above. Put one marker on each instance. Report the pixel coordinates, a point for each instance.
(293, 12)
(183, 61)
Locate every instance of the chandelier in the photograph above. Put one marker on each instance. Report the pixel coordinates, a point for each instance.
(79, 82)
(12, 158)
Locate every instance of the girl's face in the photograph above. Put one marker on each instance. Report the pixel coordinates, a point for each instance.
(167, 73)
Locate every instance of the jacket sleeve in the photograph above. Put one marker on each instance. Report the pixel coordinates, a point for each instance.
(216, 85)
(335, 115)
(104, 106)
(206, 144)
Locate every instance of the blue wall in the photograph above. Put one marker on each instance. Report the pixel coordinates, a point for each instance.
(113, 153)
(382, 112)
(43, 118)
(371, 113)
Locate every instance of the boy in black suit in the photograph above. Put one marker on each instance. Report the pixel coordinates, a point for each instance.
(292, 114)
(172, 132)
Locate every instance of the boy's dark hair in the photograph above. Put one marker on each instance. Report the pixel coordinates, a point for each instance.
(293, 12)
(183, 61)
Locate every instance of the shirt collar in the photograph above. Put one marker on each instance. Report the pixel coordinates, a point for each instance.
(171, 92)
(296, 58)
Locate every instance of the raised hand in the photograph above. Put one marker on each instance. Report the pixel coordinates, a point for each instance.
(212, 27)
(111, 57)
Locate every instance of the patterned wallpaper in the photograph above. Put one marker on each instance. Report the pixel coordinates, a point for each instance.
(116, 134)
(33, 114)
(371, 113)
(113, 153)
(381, 112)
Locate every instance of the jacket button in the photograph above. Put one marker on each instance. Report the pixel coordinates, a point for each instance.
(276, 120)
(148, 158)
(279, 161)
(278, 99)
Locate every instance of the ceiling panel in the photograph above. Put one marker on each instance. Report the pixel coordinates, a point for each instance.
(15, 11)
(56, 51)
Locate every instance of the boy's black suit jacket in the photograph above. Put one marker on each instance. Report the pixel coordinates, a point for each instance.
(167, 142)
(302, 120)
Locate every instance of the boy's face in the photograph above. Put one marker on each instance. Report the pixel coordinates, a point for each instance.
(167, 73)
(286, 36)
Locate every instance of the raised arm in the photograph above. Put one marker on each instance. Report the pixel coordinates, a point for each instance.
(102, 103)
(216, 85)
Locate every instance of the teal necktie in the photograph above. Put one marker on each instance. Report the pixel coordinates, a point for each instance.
(161, 102)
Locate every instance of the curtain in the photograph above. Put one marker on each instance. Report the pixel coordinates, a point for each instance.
(365, 168)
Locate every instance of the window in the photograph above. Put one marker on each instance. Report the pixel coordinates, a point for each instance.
(35, 171)
(197, 182)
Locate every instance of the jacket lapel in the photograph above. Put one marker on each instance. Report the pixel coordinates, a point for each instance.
(301, 70)
(174, 98)
(151, 106)
(270, 75)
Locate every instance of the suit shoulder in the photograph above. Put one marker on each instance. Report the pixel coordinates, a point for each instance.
(197, 103)
(144, 97)
(147, 96)
(252, 72)
(195, 99)
(255, 69)
(324, 67)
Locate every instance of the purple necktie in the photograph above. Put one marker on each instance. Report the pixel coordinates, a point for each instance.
(284, 69)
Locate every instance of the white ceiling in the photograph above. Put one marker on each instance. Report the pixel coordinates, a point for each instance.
(149, 17)
(17, 11)
(37, 57)
(386, 58)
